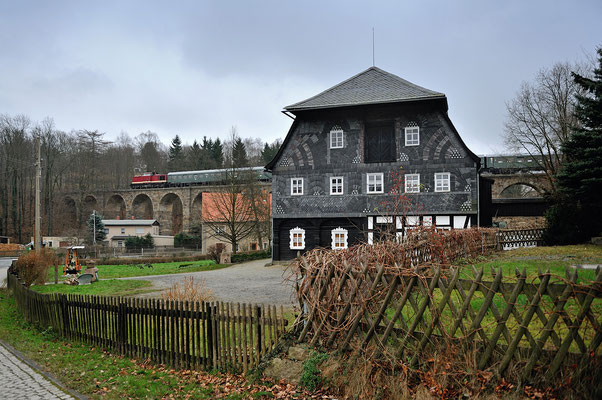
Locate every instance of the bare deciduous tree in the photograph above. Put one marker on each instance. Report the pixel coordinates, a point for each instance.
(541, 117)
(228, 213)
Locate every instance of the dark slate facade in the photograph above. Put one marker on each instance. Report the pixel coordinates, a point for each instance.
(373, 110)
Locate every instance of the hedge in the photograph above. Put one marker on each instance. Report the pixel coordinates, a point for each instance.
(251, 255)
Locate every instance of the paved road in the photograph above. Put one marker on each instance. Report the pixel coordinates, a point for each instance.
(251, 282)
(19, 381)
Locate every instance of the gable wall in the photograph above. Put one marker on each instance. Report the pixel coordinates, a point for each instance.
(307, 154)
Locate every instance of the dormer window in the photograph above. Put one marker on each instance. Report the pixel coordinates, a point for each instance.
(336, 137)
(412, 134)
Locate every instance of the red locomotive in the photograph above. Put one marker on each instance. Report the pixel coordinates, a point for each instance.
(149, 180)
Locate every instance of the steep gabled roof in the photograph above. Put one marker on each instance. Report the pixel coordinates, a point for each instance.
(372, 86)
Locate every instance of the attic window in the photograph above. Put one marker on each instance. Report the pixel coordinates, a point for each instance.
(336, 137)
(412, 134)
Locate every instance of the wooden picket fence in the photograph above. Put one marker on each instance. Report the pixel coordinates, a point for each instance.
(182, 334)
(405, 316)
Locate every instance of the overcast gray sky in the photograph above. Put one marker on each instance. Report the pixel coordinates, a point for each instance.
(197, 68)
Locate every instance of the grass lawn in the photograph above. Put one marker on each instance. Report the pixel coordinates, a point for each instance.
(165, 268)
(105, 287)
(97, 373)
(556, 258)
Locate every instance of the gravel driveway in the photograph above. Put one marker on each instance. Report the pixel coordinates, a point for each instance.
(251, 282)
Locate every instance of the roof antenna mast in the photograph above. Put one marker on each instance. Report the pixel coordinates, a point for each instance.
(373, 64)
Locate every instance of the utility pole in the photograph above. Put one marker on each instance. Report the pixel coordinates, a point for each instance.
(37, 238)
(94, 237)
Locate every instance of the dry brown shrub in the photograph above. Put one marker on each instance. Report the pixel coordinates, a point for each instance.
(33, 266)
(215, 251)
(189, 290)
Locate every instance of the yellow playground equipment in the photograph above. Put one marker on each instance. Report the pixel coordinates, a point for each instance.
(72, 265)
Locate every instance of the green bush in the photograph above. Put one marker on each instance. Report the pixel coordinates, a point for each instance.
(565, 224)
(251, 255)
(188, 241)
(140, 242)
(311, 377)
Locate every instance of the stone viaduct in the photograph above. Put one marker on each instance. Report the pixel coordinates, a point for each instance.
(503, 181)
(176, 208)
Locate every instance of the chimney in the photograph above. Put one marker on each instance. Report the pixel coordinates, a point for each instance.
(132, 217)
(118, 217)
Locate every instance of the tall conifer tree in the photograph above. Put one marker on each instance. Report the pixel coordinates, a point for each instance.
(577, 216)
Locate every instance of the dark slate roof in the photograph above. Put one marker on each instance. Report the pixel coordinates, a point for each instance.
(373, 86)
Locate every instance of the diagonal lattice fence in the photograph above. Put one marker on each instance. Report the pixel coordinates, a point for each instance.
(533, 328)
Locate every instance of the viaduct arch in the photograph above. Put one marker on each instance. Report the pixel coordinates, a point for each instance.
(176, 209)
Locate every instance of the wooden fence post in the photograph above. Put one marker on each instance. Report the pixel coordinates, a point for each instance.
(209, 323)
(259, 333)
(65, 314)
(121, 326)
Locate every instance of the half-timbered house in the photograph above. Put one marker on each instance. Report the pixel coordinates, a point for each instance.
(358, 149)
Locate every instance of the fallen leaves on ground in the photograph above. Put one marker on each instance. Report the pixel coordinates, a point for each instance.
(224, 385)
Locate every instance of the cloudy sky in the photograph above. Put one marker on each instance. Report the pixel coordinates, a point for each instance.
(197, 68)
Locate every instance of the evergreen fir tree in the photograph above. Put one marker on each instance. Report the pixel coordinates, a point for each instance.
(195, 156)
(95, 222)
(175, 155)
(269, 151)
(239, 154)
(217, 150)
(580, 180)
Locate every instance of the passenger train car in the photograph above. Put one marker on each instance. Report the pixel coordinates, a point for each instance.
(193, 178)
(511, 162)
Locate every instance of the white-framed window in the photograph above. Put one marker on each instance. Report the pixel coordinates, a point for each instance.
(139, 231)
(122, 230)
(442, 182)
(374, 183)
(336, 137)
(412, 183)
(119, 243)
(412, 134)
(297, 236)
(296, 186)
(339, 238)
(336, 185)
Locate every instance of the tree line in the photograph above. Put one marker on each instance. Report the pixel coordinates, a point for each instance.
(82, 161)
